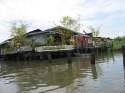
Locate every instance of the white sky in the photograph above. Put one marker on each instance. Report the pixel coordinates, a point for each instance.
(43, 14)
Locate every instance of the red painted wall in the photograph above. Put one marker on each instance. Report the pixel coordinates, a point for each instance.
(82, 41)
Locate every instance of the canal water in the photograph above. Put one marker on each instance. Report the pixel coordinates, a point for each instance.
(63, 76)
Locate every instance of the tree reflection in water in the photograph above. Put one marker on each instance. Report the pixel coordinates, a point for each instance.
(57, 76)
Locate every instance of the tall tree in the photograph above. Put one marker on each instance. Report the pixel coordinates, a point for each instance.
(70, 23)
(18, 34)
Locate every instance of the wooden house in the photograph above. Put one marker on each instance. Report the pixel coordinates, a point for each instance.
(83, 41)
(60, 35)
(102, 41)
(53, 38)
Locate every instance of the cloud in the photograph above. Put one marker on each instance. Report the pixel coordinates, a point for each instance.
(46, 13)
(110, 14)
(4, 33)
(38, 9)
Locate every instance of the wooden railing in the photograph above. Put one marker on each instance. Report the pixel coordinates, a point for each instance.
(37, 49)
(53, 48)
(6, 51)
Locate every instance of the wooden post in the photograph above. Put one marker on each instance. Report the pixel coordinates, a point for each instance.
(123, 51)
(94, 72)
(0, 53)
(49, 56)
(69, 56)
(124, 70)
(92, 56)
(41, 56)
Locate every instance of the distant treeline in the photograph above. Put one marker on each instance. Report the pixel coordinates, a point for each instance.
(118, 42)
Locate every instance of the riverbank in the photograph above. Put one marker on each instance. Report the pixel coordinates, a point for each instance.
(52, 54)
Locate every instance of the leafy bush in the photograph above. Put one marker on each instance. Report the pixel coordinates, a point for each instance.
(118, 42)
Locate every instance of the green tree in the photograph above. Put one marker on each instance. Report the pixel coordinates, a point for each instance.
(51, 40)
(70, 23)
(18, 34)
(118, 42)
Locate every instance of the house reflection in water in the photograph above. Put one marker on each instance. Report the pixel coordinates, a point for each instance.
(45, 76)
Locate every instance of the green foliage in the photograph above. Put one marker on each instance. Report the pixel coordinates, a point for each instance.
(73, 42)
(70, 23)
(18, 34)
(9, 50)
(51, 40)
(66, 36)
(118, 42)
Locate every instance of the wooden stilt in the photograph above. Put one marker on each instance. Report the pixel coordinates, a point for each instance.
(123, 51)
(49, 56)
(69, 56)
(93, 56)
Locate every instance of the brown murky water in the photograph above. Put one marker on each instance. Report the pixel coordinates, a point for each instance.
(59, 76)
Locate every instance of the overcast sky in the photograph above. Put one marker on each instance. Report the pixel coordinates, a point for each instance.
(44, 14)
